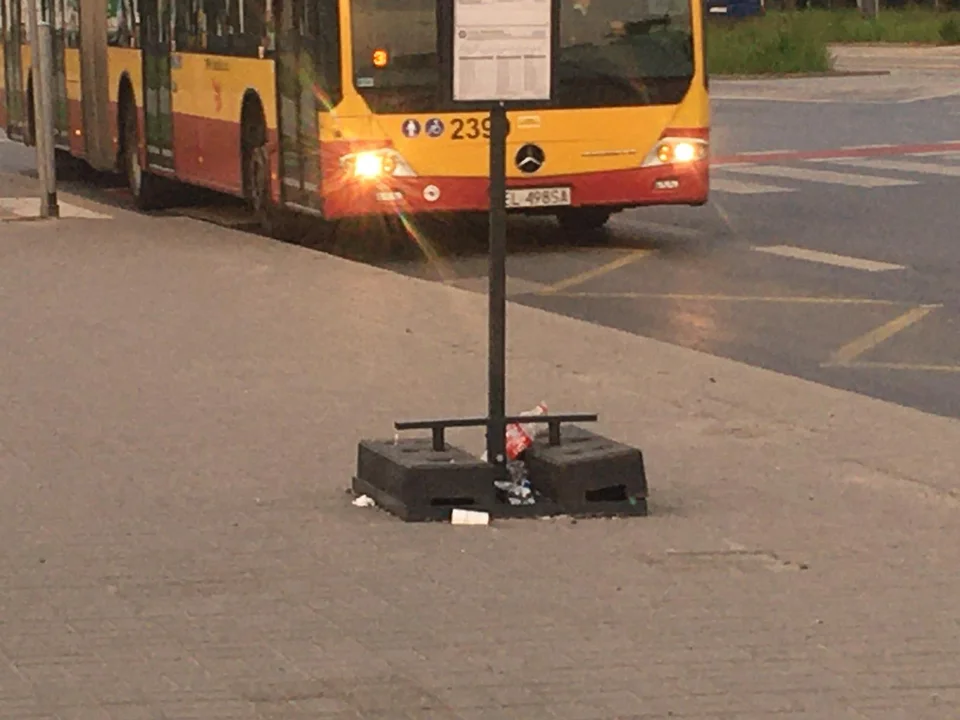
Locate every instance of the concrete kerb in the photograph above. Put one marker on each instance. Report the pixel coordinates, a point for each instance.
(801, 75)
(669, 401)
(22, 188)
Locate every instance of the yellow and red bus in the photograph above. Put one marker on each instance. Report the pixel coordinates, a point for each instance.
(342, 108)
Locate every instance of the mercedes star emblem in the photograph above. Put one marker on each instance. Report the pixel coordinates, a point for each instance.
(529, 158)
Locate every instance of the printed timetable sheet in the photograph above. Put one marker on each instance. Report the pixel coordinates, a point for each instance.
(501, 50)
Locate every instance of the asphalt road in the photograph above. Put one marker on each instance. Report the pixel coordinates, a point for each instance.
(875, 309)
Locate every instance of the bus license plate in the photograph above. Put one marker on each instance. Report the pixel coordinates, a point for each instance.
(538, 197)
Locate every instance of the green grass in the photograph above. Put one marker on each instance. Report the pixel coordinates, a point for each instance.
(796, 42)
(909, 25)
(772, 44)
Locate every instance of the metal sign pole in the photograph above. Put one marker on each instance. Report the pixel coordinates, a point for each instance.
(497, 320)
(49, 207)
(492, 38)
(41, 70)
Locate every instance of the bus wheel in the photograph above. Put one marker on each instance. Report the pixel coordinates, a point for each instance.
(256, 177)
(69, 167)
(583, 224)
(142, 184)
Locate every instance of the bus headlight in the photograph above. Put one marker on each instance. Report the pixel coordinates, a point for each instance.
(376, 164)
(368, 165)
(676, 150)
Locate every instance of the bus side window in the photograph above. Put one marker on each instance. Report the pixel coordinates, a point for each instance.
(328, 47)
(221, 27)
(247, 26)
(188, 32)
(215, 36)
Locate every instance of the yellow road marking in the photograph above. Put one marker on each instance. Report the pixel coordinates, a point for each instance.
(728, 298)
(919, 367)
(596, 272)
(868, 341)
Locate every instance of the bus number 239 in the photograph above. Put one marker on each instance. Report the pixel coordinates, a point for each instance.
(470, 128)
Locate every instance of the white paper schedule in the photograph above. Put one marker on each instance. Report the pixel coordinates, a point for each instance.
(501, 50)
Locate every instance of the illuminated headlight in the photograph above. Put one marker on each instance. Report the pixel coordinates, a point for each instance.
(368, 165)
(676, 151)
(375, 164)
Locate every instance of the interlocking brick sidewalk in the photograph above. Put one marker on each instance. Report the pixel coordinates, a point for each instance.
(179, 412)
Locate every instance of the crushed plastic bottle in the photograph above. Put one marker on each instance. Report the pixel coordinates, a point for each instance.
(520, 435)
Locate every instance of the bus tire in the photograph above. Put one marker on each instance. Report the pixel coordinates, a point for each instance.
(69, 167)
(144, 186)
(255, 161)
(583, 224)
(30, 134)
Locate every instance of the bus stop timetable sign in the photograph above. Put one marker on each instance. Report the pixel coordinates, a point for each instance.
(501, 50)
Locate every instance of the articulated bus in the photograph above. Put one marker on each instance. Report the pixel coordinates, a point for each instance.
(342, 108)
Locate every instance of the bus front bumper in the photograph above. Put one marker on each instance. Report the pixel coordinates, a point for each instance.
(686, 184)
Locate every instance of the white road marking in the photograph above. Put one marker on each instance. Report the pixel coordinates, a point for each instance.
(900, 165)
(844, 261)
(767, 152)
(30, 208)
(823, 176)
(950, 155)
(929, 96)
(867, 147)
(737, 187)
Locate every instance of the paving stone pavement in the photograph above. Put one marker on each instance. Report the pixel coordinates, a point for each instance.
(179, 411)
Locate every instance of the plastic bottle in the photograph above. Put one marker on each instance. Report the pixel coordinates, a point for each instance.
(520, 435)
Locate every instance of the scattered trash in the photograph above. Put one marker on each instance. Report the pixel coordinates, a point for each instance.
(517, 489)
(364, 501)
(469, 517)
(519, 437)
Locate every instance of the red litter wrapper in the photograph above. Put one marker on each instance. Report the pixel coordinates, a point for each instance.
(520, 435)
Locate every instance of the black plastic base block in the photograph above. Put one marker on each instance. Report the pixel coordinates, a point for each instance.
(415, 482)
(588, 474)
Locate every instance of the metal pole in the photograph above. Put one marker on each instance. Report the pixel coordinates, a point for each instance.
(41, 70)
(497, 361)
(45, 120)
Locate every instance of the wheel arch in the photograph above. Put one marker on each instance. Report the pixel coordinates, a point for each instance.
(126, 97)
(30, 132)
(253, 120)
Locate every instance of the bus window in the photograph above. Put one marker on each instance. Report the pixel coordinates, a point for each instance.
(395, 58)
(624, 52)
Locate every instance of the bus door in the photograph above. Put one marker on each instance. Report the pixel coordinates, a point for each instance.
(12, 70)
(98, 148)
(303, 62)
(158, 94)
(61, 122)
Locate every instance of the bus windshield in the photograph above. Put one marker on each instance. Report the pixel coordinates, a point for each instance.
(611, 53)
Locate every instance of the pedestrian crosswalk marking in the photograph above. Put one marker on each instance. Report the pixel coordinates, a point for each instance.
(824, 176)
(826, 258)
(910, 166)
(738, 187)
(27, 207)
(949, 155)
